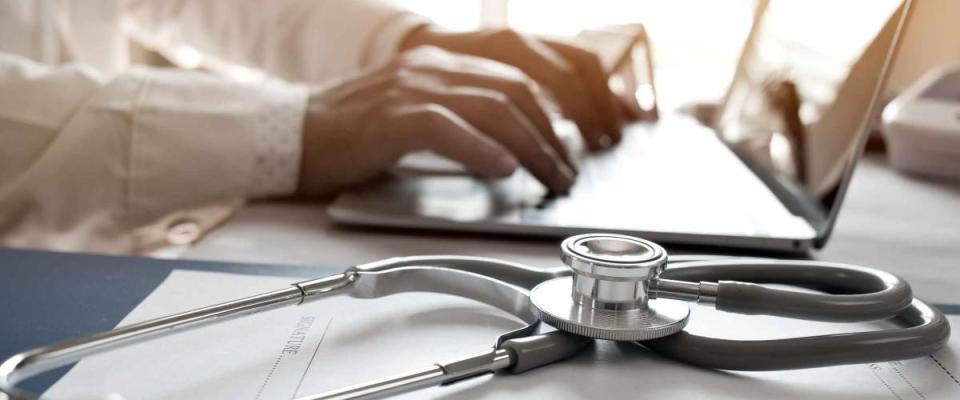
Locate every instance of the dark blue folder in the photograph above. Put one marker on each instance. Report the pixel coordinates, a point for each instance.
(46, 297)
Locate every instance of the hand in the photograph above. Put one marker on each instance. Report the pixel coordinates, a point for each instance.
(573, 75)
(475, 111)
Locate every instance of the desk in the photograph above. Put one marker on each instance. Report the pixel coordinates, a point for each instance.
(897, 223)
(882, 207)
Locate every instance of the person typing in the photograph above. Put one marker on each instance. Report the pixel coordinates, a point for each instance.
(103, 155)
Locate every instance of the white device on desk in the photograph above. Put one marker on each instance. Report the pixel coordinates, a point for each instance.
(771, 173)
(922, 125)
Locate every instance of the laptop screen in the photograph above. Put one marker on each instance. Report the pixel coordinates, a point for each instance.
(797, 108)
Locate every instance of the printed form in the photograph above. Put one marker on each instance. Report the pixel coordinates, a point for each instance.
(300, 350)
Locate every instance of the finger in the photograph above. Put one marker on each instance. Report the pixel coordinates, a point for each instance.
(395, 73)
(590, 70)
(492, 113)
(624, 84)
(569, 93)
(514, 131)
(521, 92)
(436, 128)
(551, 70)
(629, 107)
(350, 88)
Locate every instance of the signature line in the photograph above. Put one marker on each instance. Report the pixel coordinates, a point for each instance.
(313, 357)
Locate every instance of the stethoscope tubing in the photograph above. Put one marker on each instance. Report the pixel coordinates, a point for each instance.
(845, 293)
(850, 293)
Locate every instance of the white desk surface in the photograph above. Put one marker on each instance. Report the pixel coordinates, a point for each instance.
(901, 224)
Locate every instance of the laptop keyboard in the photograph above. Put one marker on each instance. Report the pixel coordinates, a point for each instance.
(670, 176)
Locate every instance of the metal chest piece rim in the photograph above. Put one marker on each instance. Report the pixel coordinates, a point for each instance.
(607, 297)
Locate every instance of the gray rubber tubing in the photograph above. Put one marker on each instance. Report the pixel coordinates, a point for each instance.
(852, 293)
(531, 352)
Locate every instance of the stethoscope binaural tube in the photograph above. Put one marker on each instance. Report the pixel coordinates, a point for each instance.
(490, 281)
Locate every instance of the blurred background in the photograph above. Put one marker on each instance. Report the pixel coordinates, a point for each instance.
(696, 43)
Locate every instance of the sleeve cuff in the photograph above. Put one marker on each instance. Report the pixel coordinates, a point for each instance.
(279, 132)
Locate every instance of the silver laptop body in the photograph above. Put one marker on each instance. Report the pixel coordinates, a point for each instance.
(755, 178)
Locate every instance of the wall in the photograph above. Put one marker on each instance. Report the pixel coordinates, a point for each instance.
(932, 38)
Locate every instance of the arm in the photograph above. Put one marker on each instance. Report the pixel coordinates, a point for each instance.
(90, 163)
(315, 41)
(119, 165)
(297, 40)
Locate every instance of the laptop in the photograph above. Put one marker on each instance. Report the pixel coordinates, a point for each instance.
(768, 170)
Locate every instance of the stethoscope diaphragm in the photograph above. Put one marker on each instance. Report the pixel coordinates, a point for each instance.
(608, 295)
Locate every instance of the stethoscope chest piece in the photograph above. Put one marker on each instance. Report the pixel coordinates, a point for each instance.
(607, 297)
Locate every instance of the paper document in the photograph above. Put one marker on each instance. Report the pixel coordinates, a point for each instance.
(319, 346)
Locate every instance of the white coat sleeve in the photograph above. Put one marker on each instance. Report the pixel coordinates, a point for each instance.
(297, 40)
(128, 163)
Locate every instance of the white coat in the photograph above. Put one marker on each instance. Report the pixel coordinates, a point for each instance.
(99, 155)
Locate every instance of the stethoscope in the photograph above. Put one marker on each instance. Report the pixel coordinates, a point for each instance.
(615, 287)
